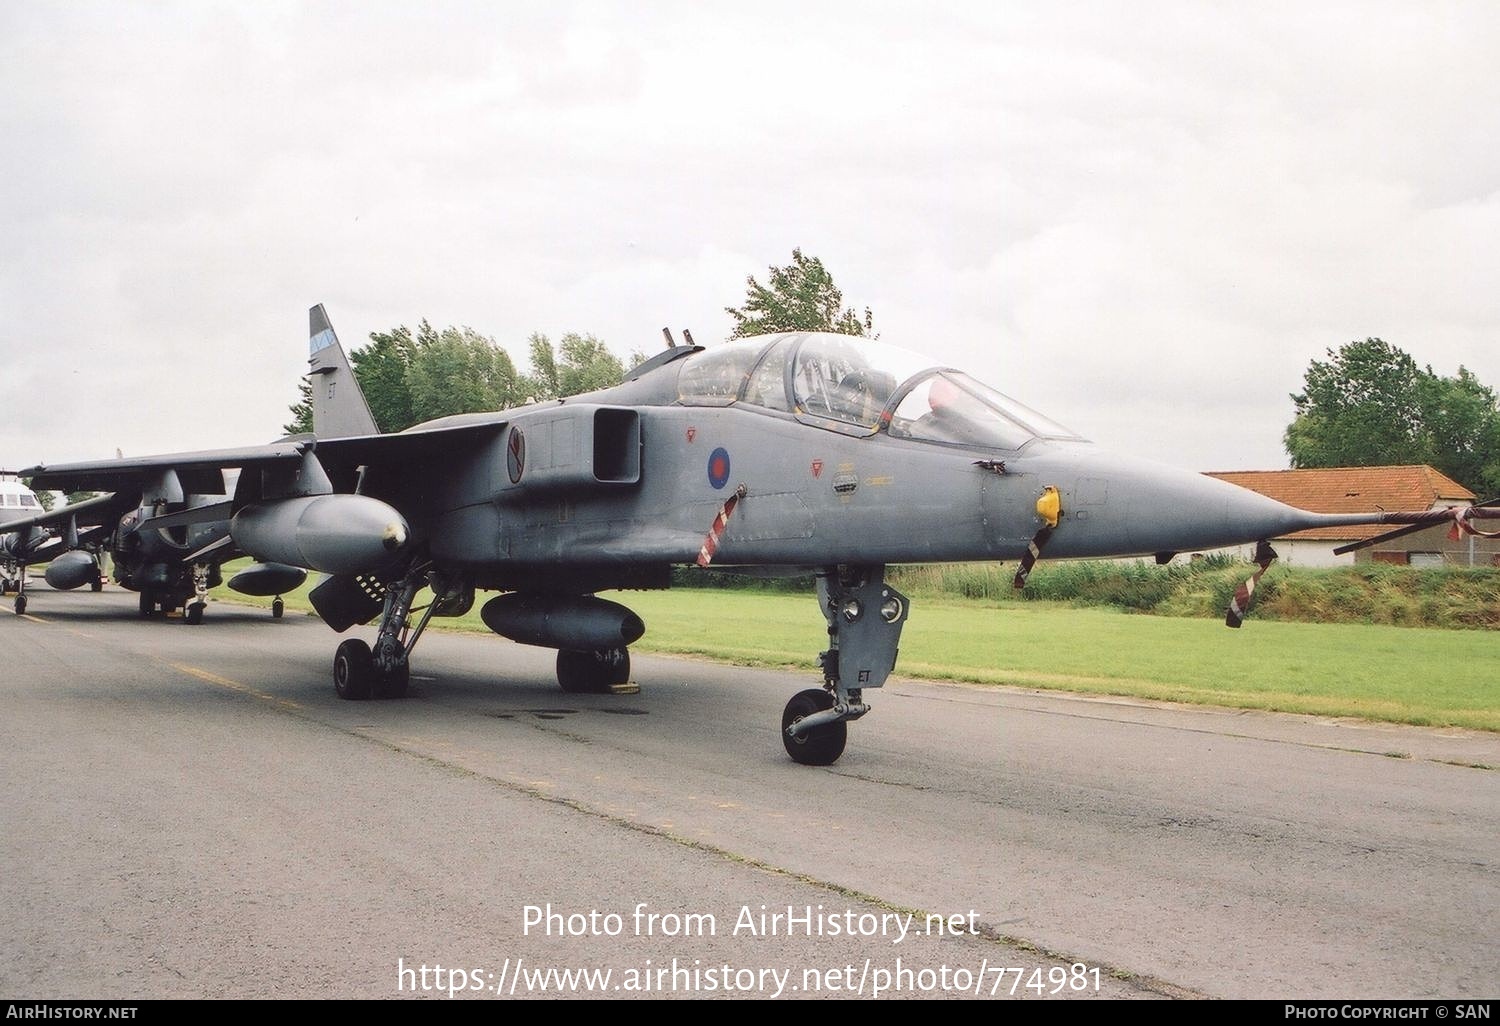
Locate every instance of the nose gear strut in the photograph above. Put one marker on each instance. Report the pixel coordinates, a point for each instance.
(865, 617)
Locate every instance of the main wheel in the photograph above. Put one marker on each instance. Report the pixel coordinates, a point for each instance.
(20, 605)
(820, 746)
(584, 673)
(277, 608)
(97, 584)
(148, 602)
(395, 683)
(353, 670)
(195, 613)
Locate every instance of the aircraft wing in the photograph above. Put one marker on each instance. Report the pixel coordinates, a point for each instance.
(96, 512)
(198, 471)
(202, 472)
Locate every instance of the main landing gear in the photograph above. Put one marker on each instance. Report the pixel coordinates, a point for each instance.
(591, 673)
(361, 671)
(18, 585)
(195, 608)
(865, 617)
(153, 600)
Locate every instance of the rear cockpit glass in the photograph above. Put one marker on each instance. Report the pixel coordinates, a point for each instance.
(767, 385)
(848, 381)
(834, 380)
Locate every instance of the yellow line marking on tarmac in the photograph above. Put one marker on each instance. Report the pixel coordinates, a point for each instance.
(234, 685)
(71, 630)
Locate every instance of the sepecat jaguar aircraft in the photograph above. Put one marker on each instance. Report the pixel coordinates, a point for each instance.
(791, 453)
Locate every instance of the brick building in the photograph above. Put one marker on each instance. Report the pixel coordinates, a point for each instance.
(1363, 489)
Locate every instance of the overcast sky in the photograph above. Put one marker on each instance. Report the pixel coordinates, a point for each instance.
(1142, 219)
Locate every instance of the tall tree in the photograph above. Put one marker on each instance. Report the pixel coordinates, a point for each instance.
(382, 370)
(302, 417)
(580, 364)
(460, 371)
(1370, 404)
(1360, 408)
(1463, 424)
(409, 377)
(798, 297)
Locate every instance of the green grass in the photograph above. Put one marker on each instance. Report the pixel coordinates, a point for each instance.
(1447, 597)
(1398, 674)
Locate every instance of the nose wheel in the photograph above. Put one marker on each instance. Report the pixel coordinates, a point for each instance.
(820, 745)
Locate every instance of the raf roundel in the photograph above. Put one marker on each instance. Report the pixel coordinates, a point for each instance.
(718, 467)
(515, 455)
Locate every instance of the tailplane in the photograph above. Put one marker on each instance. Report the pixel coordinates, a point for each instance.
(339, 407)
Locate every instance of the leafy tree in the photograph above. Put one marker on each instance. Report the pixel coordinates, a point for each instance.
(302, 417)
(44, 498)
(1464, 430)
(798, 297)
(543, 382)
(586, 364)
(383, 370)
(412, 377)
(1370, 404)
(459, 371)
(1361, 408)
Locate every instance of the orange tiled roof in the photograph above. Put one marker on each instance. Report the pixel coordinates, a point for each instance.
(1352, 490)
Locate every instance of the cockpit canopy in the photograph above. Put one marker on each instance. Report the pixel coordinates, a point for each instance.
(859, 387)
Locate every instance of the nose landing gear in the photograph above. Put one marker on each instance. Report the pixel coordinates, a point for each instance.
(865, 618)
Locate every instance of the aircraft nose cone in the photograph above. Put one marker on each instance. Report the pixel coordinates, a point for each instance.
(1173, 510)
(1120, 505)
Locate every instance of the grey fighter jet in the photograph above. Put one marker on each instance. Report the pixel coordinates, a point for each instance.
(65, 539)
(783, 454)
(172, 567)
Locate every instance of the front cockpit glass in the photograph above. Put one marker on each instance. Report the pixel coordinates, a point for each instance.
(949, 406)
(715, 377)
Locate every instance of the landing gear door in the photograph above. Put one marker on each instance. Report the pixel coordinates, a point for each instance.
(865, 622)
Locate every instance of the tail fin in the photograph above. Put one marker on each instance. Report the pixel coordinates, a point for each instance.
(339, 407)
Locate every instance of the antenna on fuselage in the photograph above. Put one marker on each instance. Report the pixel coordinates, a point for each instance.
(671, 342)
